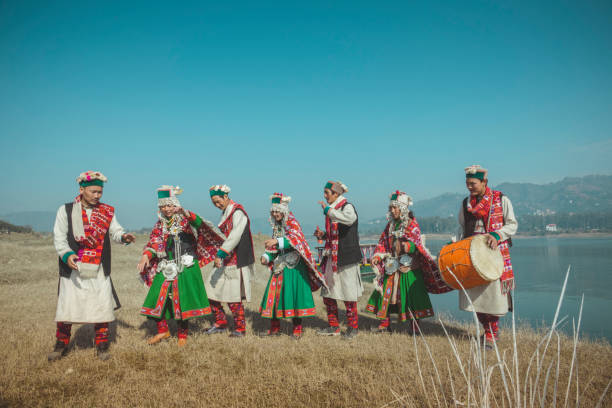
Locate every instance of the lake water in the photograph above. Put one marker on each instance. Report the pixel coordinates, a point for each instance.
(540, 265)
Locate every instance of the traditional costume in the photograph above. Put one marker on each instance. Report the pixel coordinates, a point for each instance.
(231, 283)
(492, 214)
(177, 246)
(400, 259)
(294, 272)
(85, 295)
(341, 261)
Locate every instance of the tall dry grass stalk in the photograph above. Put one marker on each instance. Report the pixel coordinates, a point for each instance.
(443, 367)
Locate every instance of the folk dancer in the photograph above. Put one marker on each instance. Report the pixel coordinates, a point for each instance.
(294, 271)
(490, 212)
(81, 235)
(341, 259)
(398, 262)
(230, 280)
(179, 243)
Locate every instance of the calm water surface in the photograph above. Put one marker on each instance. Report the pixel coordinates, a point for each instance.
(540, 265)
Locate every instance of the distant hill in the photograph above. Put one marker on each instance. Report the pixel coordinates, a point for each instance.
(572, 195)
(41, 221)
(8, 227)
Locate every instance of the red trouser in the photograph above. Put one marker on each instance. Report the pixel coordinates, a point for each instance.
(237, 309)
(63, 332)
(332, 312)
(297, 325)
(490, 323)
(183, 327)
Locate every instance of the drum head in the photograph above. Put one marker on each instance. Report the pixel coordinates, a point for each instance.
(488, 262)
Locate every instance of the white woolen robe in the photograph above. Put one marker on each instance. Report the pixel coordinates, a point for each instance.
(488, 298)
(345, 284)
(83, 300)
(230, 283)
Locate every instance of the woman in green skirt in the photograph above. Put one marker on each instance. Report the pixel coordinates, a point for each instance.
(399, 262)
(179, 243)
(294, 274)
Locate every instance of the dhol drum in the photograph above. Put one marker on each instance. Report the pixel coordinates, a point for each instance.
(471, 261)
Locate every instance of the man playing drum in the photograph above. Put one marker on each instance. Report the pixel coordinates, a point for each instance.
(487, 211)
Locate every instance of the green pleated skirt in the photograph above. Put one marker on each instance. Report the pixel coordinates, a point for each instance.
(288, 294)
(182, 299)
(413, 300)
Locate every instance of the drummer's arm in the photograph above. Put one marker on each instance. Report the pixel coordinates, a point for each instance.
(461, 224)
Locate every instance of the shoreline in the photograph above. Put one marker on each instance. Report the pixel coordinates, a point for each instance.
(577, 235)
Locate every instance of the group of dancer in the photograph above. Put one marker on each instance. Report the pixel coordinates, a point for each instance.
(192, 266)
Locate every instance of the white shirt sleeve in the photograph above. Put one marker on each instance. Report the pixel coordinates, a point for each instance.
(510, 223)
(461, 224)
(60, 232)
(239, 223)
(115, 230)
(346, 215)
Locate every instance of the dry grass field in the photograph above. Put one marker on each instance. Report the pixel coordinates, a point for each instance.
(216, 371)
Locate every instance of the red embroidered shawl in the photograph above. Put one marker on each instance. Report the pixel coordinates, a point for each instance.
(227, 226)
(421, 259)
(331, 239)
(490, 210)
(295, 235)
(95, 227)
(207, 244)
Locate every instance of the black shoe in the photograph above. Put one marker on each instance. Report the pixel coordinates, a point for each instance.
(102, 351)
(237, 334)
(216, 329)
(350, 333)
(58, 352)
(329, 331)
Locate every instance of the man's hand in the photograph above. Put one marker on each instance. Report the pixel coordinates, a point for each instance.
(72, 260)
(144, 262)
(319, 233)
(128, 238)
(218, 262)
(491, 242)
(271, 243)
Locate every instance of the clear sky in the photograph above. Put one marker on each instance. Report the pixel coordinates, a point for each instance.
(282, 96)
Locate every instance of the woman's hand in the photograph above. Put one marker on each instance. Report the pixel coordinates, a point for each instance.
(271, 243)
(264, 260)
(144, 263)
(376, 260)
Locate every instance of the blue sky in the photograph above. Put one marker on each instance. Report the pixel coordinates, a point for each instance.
(283, 96)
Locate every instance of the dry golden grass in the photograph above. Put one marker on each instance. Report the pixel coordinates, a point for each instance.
(217, 371)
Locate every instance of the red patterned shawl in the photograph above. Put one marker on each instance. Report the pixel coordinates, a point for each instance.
(421, 259)
(227, 226)
(95, 228)
(490, 210)
(295, 235)
(331, 241)
(207, 244)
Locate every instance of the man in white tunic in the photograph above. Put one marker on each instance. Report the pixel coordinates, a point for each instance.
(490, 212)
(342, 257)
(230, 279)
(81, 235)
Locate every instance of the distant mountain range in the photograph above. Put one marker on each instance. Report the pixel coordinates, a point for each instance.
(588, 194)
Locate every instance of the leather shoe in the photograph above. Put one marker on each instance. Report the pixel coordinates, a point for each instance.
(216, 329)
(158, 337)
